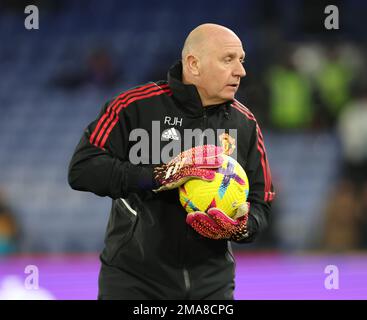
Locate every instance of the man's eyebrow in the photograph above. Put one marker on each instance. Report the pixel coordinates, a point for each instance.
(229, 54)
(233, 54)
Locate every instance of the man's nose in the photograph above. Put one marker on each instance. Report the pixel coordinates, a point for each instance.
(239, 71)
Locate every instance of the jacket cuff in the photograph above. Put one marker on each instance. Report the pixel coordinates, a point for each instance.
(140, 178)
(252, 229)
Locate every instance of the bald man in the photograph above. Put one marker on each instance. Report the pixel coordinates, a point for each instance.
(153, 248)
(213, 52)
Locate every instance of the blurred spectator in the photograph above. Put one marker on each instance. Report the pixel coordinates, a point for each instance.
(353, 134)
(346, 222)
(363, 225)
(8, 229)
(290, 96)
(99, 70)
(333, 84)
(342, 218)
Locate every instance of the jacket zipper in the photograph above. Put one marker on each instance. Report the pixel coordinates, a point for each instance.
(128, 207)
(187, 281)
(184, 269)
(205, 118)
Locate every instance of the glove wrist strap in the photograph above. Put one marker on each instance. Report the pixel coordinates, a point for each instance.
(240, 235)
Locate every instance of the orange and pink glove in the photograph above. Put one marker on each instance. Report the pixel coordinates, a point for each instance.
(215, 224)
(198, 162)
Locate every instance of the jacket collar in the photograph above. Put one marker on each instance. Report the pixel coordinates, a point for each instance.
(187, 94)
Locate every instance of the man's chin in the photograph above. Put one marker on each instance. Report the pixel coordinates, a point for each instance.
(228, 97)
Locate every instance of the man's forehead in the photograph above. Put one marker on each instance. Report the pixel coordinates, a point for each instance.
(227, 41)
(233, 49)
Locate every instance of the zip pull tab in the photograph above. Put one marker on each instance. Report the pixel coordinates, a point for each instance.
(205, 118)
(187, 280)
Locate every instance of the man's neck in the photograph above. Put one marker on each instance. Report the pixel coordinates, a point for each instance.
(204, 101)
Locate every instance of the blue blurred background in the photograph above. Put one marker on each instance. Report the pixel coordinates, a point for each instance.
(306, 85)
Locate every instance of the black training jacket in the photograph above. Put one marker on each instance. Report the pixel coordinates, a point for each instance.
(147, 237)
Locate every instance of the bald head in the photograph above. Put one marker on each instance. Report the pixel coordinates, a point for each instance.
(212, 59)
(202, 38)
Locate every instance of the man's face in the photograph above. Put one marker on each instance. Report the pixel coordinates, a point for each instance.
(221, 68)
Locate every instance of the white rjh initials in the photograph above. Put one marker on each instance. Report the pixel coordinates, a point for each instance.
(172, 122)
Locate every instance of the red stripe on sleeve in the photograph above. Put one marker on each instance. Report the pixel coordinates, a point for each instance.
(112, 104)
(265, 164)
(148, 95)
(268, 195)
(111, 108)
(112, 114)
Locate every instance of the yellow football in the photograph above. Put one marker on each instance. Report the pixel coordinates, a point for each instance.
(227, 191)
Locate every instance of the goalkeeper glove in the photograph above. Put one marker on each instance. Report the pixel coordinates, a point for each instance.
(215, 224)
(198, 162)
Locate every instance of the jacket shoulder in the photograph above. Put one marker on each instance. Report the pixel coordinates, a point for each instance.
(245, 111)
(141, 92)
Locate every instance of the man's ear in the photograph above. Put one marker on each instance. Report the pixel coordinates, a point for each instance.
(193, 65)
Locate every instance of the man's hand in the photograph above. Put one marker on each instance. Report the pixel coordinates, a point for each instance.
(198, 162)
(215, 224)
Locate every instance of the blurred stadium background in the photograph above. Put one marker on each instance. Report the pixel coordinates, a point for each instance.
(306, 85)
